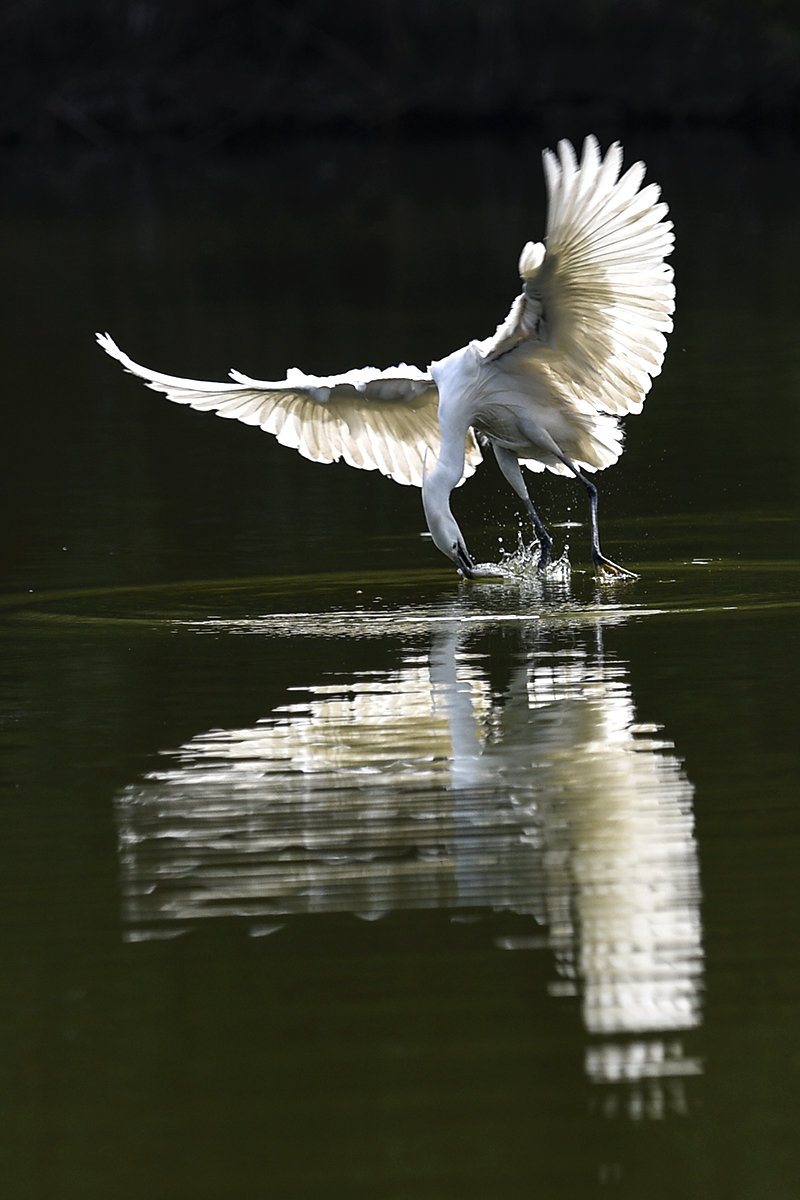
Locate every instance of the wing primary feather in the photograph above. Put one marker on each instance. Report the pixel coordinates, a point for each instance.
(371, 418)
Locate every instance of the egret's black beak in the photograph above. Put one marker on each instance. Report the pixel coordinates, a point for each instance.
(463, 561)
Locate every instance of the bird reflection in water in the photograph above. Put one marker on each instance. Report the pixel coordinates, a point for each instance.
(424, 787)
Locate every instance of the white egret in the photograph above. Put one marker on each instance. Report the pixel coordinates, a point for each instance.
(579, 349)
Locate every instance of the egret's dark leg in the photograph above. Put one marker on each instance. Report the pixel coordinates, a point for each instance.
(598, 558)
(509, 465)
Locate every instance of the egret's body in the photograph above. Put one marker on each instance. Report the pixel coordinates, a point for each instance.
(578, 349)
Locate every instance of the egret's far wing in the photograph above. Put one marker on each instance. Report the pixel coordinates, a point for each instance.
(378, 420)
(599, 295)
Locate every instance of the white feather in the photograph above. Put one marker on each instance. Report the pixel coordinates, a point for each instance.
(580, 347)
(384, 420)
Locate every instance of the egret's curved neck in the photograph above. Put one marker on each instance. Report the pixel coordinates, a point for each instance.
(456, 377)
(437, 486)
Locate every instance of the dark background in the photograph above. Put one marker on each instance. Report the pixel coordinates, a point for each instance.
(330, 185)
(227, 72)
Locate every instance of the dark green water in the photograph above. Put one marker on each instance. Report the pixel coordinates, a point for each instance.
(325, 874)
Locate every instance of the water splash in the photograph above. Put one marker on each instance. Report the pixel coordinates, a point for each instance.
(523, 563)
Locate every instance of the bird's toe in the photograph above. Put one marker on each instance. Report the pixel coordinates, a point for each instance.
(606, 569)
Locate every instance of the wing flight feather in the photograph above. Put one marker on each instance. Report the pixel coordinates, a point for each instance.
(598, 295)
(384, 420)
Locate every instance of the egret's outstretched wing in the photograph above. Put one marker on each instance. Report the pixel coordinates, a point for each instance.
(598, 296)
(377, 420)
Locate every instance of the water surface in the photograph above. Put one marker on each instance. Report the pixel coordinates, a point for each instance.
(324, 872)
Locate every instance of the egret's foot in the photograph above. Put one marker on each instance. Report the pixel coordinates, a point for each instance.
(607, 569)
(545, 551)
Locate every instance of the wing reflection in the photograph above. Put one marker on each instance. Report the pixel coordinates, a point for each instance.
(611, 808)
(426, 786)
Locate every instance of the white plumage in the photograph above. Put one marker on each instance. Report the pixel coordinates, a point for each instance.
(579, 349)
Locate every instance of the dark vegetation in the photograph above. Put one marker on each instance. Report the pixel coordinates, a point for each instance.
(229, 72)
